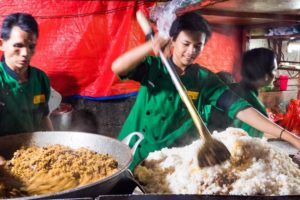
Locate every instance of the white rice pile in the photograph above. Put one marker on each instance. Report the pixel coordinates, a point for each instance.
(256, 168)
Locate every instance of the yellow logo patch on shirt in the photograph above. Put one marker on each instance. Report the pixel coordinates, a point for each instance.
(41, 98)
(193, 95)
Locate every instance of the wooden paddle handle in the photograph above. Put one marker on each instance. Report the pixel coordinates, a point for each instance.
(145, 25)
(143, 22)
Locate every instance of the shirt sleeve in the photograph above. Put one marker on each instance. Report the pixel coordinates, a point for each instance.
(237, 106)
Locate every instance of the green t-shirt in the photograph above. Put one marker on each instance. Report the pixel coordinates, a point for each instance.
(159, 112)
(215, 119)
(248, 93)
(22, 106)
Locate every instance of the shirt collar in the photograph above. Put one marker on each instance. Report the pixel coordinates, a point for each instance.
(9, 71)
(174, 66)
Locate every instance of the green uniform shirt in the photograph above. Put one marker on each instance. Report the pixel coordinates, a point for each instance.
(250, 94)
(22, 106)
(246, 92)
(215, 119)
(160, 114)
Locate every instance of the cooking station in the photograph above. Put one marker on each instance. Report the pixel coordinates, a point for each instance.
(123, 185)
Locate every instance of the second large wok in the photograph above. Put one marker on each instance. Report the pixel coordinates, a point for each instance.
(101, 144)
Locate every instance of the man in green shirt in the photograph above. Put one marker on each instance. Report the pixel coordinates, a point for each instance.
(24, 90)
(159, 112)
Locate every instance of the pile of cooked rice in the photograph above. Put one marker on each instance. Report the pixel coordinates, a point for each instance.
(53, 168)
(256, 168)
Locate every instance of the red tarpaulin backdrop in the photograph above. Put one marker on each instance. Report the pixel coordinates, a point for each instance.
(79, 40)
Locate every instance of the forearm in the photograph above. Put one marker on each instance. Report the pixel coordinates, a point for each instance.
(129, 60)
(263, 124)
(257, 120)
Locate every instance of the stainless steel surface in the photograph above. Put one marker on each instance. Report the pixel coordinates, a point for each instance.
(268, 6)
(62, 117)
(248, 12)
(101, 144)
(128, 138)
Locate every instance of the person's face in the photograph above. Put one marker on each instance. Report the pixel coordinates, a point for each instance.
(187, 46)
(18, 49)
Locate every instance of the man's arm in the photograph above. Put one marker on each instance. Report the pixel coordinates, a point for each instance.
(257, 120)
(132, 58)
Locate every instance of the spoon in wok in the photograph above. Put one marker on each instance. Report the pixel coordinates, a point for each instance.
(212, 151)
(40, 183)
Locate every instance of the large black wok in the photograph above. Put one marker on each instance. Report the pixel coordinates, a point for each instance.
(101, 144)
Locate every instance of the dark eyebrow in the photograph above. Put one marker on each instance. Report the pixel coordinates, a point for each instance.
(18, 43)
(186, 41)
(190, 42)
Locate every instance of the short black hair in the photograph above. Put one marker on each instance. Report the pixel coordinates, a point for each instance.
(23, 20)
(257, 63)
(190, 22)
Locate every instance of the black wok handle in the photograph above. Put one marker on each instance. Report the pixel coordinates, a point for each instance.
(127, 184)
(134, 182)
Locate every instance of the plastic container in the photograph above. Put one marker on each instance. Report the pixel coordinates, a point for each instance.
(55, 100)
(283, 82)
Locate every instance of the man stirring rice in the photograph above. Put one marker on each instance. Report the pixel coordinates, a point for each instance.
(158, 111)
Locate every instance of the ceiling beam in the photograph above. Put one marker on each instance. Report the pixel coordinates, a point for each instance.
(198, 6)
(251, 15)
(271, 24)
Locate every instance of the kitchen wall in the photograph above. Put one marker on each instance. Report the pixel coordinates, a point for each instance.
(101, 117)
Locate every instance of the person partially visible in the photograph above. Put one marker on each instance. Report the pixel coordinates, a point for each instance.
(211, 113)
(24, 89)
(258, 69)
